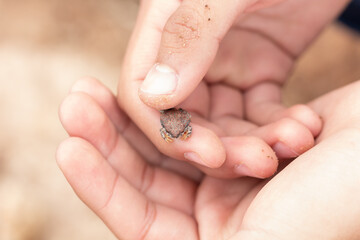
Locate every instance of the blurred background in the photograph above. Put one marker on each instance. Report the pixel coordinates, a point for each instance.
(45, 45)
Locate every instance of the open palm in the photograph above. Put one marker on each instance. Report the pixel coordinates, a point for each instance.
(139, 194)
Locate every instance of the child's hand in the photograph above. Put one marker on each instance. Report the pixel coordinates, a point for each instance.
(134, 189)
(226, 67)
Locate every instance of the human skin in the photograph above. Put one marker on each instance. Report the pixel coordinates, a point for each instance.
(316, 196)
(228, 74)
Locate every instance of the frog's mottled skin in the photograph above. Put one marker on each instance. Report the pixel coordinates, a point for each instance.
(175, 124)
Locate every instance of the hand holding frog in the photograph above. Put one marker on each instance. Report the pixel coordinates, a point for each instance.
(225, 64)
(139, 195)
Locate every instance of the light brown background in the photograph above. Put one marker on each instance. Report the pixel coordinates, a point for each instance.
(45, 45)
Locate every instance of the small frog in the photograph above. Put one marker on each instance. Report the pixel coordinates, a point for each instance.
(175, 123)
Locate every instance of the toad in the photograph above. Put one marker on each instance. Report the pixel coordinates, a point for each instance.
(175, 124)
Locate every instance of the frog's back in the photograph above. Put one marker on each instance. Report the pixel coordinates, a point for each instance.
(175, 121)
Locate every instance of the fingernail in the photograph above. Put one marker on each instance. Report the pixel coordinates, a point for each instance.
(161, 79)
(243, 170)
(283, 150)
(194, 157)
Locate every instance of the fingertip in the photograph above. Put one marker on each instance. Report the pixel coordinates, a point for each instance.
(75, 112)
(250, 156)
(62, 153)
(306, 116)
(291, 138)
(82, 117)
(65, 110)
(159, 102)
(291, 133)
(159, 86)
(70, 153)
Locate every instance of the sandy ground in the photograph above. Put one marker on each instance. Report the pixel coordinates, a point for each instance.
(45, 45)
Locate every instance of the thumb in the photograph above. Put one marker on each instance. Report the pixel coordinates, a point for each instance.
(189, 42)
